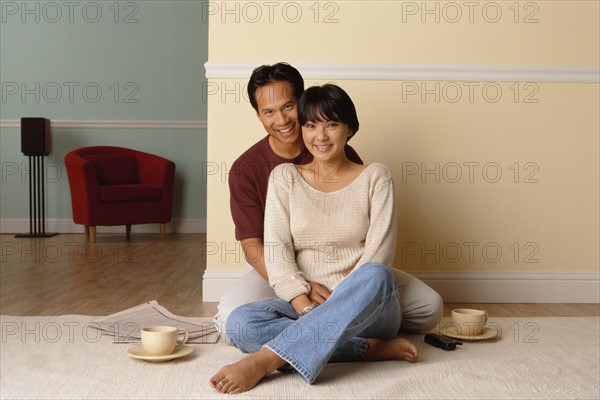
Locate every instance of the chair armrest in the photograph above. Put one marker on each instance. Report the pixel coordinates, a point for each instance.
(158, 171)
(84, 186)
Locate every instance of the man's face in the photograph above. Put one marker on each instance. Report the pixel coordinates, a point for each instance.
(278, 112)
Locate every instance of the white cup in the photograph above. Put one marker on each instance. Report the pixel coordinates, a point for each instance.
(162, 340)
(470, 322)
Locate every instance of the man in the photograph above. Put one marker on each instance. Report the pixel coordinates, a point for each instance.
(274, 91)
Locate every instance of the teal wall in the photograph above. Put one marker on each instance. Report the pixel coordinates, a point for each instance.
(187, 148)
(147, 60)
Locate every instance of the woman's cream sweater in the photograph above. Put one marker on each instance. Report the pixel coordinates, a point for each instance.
(317, 236)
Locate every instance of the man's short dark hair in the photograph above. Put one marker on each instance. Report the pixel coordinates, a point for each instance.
(266, 74)
(327, 103)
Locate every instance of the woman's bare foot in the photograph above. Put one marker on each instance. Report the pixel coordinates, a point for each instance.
(245, 374)
(395, 349)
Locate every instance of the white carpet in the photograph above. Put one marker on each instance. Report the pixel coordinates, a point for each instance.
(57, 358)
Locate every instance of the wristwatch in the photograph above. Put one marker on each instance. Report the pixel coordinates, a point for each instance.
(306, 310)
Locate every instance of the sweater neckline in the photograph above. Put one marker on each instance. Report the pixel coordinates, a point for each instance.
(335, 191)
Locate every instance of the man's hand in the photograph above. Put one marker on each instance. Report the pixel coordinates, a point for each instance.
(318, 293)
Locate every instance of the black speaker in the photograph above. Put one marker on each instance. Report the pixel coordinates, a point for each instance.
(35, 136)
(35, 143)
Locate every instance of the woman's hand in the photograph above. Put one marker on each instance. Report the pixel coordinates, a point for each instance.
(318, 293)
(317, 296)
(301, 302)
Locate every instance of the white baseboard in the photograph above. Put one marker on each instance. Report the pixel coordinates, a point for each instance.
(66, 225)
(216, 282)
(470, 287)
(514, 287)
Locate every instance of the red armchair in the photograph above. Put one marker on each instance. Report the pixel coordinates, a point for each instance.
(119, 186)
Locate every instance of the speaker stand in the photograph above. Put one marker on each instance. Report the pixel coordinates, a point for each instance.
(37, 216)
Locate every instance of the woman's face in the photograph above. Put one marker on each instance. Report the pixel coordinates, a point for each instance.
(326, 139)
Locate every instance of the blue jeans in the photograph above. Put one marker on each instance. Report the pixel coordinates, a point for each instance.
(365, 305)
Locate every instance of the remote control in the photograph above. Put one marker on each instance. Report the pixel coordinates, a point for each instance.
(440, 341)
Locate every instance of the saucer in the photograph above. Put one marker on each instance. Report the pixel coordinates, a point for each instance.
(485, 334)
(140, 354)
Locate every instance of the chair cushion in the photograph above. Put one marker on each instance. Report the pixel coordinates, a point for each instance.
(111, 193)
(115, 169)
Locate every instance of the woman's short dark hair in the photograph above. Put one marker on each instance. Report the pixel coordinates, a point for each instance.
(266, 74)
(327, 103)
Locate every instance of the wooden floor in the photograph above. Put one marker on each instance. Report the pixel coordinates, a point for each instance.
(66, 275)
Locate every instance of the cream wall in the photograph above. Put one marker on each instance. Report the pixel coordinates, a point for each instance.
(566, 32)
(540, 215)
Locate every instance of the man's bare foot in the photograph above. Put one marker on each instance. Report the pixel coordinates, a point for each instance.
(245, 374)
(395, 349)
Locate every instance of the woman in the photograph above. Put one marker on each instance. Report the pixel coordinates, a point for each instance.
(332, 222)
